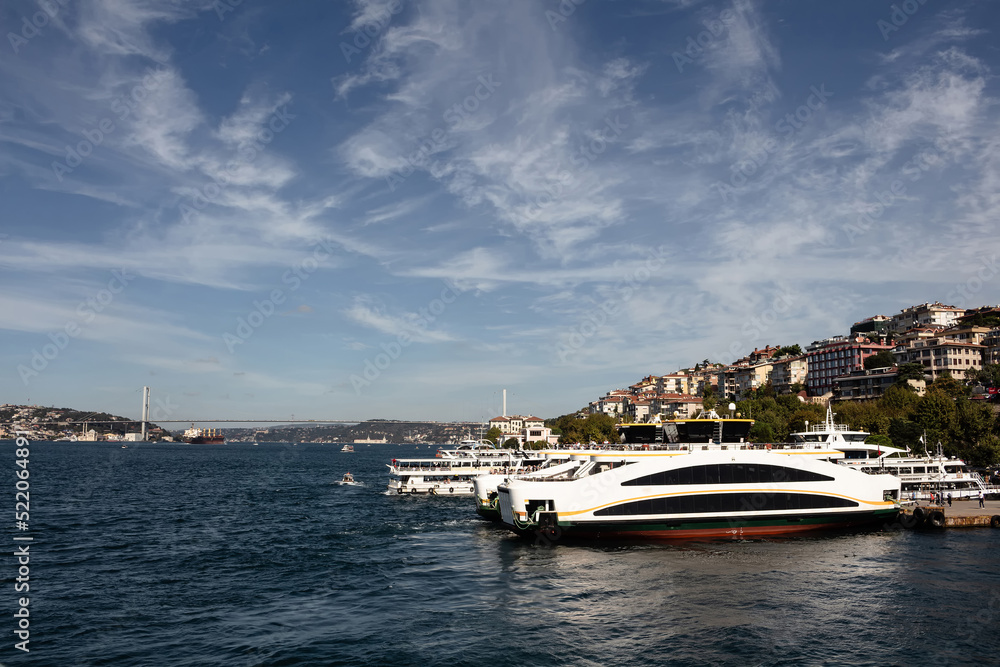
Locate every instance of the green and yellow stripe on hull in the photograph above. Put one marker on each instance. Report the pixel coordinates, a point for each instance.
(721, 527)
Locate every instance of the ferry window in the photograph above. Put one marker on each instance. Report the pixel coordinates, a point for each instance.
(725, 502)
(903, 471)
(919, 469)
(711, 474)
(698, 475)
(728, 473)
(725, 474)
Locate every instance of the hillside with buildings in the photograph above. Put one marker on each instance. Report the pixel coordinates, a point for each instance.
(943, 361)
(46, 423)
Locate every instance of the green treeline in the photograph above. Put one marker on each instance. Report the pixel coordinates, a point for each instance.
(596, 427)
(966, 429)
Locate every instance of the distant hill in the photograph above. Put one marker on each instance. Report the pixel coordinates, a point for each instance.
(374, 429)
(47, 423)
(50, 423)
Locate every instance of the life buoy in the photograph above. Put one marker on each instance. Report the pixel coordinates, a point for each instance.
(451, 489)
(769, 445)
(936, 519)
(995, 521)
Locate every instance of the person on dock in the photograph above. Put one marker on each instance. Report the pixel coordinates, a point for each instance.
(981, 500)
(949, 499)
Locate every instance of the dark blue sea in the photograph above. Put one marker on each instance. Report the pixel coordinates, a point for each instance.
(255, 555)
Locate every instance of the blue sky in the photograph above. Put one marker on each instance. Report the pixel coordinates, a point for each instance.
(347, 210)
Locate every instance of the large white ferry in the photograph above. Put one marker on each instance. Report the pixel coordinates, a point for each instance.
(452, 472)
(920, 475)
(719, 486)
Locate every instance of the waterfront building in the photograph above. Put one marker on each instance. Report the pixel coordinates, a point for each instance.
(513, 424)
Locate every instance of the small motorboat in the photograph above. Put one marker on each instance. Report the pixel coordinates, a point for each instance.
(348, 478)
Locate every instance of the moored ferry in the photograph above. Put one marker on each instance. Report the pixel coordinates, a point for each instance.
(452, 472)
(718, 486)
(920, 476)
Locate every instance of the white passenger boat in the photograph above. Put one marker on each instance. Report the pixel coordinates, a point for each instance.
(347, 448)
(717, 487)
(920, 475)
(452, 472)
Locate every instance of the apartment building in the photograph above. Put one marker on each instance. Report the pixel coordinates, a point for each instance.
(942, 355)
(925, 315)
(836, 356)
(788, 371)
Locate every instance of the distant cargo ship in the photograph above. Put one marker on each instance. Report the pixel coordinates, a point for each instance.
(203, 436)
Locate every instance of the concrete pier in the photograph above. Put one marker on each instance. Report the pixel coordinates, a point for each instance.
(962, 513)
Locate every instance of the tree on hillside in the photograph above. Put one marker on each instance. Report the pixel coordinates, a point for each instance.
(906, 433)
(881, 359)
(911, 371)
(950, 386)
(880, 440)
(493, 435)
(788, 351)
(988, 376)
(708, 400)
(596, 427)
(898, 400)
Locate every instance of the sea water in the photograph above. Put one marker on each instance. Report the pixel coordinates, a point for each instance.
(171, 554)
